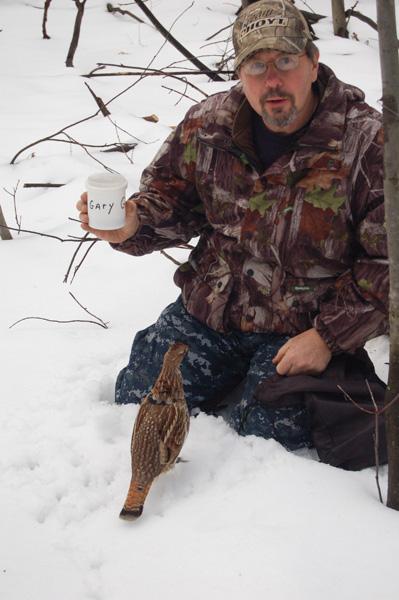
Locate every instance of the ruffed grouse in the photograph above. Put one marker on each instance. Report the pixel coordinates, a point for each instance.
(159, 431)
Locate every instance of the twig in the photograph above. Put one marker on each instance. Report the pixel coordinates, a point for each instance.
(151, 72)
(65, 280)
(88, 153)
(99, 321)
(112, 9)
(376, 442)
(168, 36)
(83, 259)
(58, 321)
(220, 31)
(104, 110)
(182, 94)
(88, 312)
(13, 194)
(54, 237)
(159, 72)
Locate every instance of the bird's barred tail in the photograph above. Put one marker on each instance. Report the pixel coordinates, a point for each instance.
(134, 502)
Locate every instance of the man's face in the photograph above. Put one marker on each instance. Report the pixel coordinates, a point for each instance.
(284, 99)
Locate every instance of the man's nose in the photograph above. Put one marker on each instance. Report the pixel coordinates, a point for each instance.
(272, 75)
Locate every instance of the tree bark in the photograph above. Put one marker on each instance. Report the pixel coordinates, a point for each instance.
(76, 32)
(386, 19)
(4, 231)
(339, 19)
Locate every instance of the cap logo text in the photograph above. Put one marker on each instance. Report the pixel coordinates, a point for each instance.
(248, 28)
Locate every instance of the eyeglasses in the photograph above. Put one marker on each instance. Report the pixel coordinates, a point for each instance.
(284, 62)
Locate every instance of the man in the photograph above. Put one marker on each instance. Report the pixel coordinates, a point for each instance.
(281, 179)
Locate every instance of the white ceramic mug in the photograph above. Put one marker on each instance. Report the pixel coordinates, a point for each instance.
(106, 198)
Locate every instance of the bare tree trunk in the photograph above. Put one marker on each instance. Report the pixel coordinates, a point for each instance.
(390, 94)
(76, 32)
(339, 19)
(4, 231)
(44, 30)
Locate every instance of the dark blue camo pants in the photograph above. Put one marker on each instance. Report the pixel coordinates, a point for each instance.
(214, 364)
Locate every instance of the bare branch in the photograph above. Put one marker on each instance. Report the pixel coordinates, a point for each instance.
(112, 9)
(47, 235)
(88, 312)
(104, 110)
(44, 30)
(217, 33)
(13, 194)
(98, 322)
(376, 442)
(83, 259)
(182, 94)
(43, 185)
(80, 5)
(58, 321)
(355, 13)
(86, 235)
(168, 36)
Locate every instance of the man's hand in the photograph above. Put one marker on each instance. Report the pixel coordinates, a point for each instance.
(115, 236)
(305, 353)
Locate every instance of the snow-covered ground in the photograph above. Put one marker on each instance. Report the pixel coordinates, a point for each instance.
(241, 518)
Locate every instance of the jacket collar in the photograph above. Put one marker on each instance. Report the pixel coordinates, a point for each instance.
(320, 145)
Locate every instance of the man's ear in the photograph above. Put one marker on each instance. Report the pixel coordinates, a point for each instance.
(315, 65)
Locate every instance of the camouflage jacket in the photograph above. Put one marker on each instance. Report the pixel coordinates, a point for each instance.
(300, 245)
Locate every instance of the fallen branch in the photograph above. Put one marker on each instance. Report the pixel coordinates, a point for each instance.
(112, 9)
(156, 72)
(121, 148)
(99, 321)
(43, 185)
(148, 72)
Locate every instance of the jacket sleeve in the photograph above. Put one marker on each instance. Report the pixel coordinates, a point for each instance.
(169, 208)
(357, 309)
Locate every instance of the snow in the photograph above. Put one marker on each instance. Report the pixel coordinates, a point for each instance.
(241, 518)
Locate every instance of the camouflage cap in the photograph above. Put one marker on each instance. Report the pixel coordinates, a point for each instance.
(269, 25)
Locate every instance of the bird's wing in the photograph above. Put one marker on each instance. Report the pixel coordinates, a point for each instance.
(173, 432)
(146, 455)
